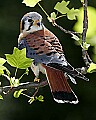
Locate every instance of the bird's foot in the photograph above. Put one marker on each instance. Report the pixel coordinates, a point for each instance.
(36, 79)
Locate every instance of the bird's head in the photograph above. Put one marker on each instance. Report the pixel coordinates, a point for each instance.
(31, 22)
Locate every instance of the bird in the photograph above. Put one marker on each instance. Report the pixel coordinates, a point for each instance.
(45, 48)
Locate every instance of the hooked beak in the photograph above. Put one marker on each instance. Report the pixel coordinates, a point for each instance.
(37, 22)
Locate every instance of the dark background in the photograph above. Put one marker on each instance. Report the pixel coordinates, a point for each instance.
(11, 11)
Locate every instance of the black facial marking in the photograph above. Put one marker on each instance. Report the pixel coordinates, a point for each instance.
(30, 20)
(23, 24)
(31, 23)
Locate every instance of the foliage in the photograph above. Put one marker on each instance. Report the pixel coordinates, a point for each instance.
(1, 98)
(92, 68)
(30, 3)
(2, 67)
(18, 93)
(39, 98)
(18, 59)
(60, 7)
(91, 22)
(91, 32)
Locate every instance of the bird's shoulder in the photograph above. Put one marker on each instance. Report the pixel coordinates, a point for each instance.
(44, 39)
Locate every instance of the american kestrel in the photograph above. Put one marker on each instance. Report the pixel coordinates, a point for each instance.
(44, 47)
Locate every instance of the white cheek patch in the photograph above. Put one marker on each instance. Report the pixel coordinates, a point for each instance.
(26, 25)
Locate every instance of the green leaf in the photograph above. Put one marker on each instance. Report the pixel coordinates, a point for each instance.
(2, 61)
(53, 15)
(82, 1)
(18, 93)
(14, 82)
(75, 37)
(1, 98)
(92, 68)
(40, 98)
(27, 71)
(86, 45)
(91, 22)
(62, 7)
(18, 59)
(30, 3)
(2, 68)
(71, 15)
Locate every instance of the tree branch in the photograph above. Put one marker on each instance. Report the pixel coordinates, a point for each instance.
(26, 85)
(85, 22)
(85, 55)
(66, 31)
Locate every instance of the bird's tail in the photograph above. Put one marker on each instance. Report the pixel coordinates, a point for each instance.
(60, 88)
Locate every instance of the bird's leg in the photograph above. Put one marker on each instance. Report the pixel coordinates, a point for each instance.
(82, 70)
(36, 79)
(35, 69)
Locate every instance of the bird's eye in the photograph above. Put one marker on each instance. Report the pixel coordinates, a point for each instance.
(30, 20)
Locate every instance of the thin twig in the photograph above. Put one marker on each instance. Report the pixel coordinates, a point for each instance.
(66, 31)
(26, 85)
(37, 89)
(85, 22)
(6, 76)
(85, 55)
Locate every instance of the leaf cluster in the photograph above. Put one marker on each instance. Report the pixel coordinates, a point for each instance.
(61, 7)
(18, 60)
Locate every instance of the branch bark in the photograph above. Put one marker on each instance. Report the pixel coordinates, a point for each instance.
(85, 55)
(66, 31)
(26, 85)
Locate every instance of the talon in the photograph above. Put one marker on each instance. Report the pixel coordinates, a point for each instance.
(36, 79)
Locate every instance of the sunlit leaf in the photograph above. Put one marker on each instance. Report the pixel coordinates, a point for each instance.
(2, 69)
(82, 1)
(53, 15)
(72, 14)
(91, 22)
(86, 45)
(27, 71)
(30, 3)
(62, 7)
(92, 68)
(14, 82)
(2, 61)
(18, 93)
(18, 59)
(75, 37)
(40, 98)
(1, 98)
